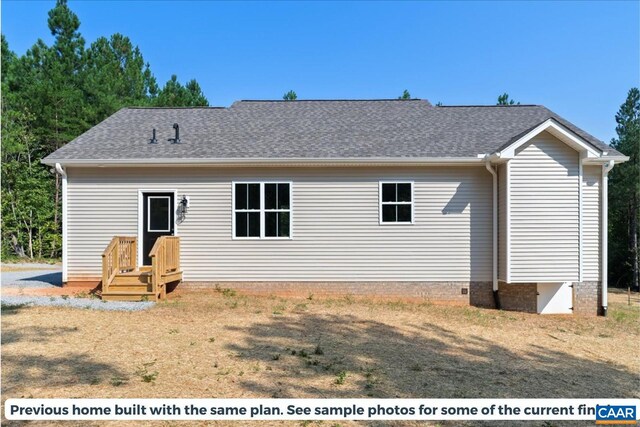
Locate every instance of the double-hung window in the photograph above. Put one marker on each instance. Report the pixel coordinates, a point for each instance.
(396, 202)
(262, 210)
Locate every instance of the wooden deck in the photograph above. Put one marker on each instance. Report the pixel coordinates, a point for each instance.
(122, 280)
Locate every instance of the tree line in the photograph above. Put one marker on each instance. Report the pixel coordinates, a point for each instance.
(52, 94)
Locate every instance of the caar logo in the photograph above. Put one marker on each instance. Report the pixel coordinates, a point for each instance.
(615, 414)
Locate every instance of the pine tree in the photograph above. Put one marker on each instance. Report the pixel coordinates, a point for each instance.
(624, 196)
(116, 75)
(405, 95)
(290, 96)
(173, 94)
(505, 100)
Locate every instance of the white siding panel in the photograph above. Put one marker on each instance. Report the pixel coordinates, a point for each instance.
(544, 179)
(502, 222)
(336, 234)
(591, 176)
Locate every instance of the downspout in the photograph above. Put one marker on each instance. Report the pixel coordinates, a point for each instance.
(63, 174)
(494, 175)
(603, 232)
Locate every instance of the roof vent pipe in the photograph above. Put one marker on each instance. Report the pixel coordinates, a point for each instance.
(153, 138)
(176, 140)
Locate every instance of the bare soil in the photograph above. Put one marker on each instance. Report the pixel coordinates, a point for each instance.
(208, 344)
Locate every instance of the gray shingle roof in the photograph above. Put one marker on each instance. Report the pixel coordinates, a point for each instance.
(310, 129)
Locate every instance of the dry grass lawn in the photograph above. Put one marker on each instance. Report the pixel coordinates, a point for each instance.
(208, 344)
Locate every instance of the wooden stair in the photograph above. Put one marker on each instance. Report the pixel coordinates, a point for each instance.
(122, 281)
(137, 286)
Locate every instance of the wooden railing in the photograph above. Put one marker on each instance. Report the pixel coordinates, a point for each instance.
(165, 260)
(120, 256)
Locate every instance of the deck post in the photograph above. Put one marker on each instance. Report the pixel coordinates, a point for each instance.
(134, 254)
(105, 274)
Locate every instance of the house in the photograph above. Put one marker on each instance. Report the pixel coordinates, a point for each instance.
(484, 205)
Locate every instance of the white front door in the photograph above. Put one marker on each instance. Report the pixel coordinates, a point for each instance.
(555, 298)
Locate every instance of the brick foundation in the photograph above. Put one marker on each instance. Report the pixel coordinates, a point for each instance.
(518, 297)
(587, 298)
(475, 293)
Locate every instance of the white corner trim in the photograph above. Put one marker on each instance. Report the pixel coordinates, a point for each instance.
(65, 239)
(562, 133)
(580, 219)
(508, 219)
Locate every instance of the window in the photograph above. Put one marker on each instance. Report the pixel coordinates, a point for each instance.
(247, 210)
(396, 202)
(262, 210)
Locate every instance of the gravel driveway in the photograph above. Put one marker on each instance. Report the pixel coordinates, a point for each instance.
(41, 284)
(37, 276)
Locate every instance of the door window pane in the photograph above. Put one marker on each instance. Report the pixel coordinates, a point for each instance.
(158, 214)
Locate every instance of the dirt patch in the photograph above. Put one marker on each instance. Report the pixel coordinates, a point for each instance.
(207, 344)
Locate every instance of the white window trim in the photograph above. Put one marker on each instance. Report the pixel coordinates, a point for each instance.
(381, 203)
(149, 230)
(262, 210)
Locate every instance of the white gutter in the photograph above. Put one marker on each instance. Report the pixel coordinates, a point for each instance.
(63, 174)
(297, 161)
(495, 221)
(604, 226)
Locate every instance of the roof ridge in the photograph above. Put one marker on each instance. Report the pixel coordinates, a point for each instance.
(488, 105)
(331, 100)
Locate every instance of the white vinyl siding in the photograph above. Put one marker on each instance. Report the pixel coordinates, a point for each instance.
(337, 231)
(591, 176)
(502, 222)
(544, 227)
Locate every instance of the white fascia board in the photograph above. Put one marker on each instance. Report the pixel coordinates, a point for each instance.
(361, 161)
(556, 129)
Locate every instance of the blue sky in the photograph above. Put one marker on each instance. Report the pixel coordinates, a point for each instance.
(577, 58)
